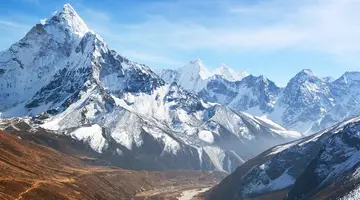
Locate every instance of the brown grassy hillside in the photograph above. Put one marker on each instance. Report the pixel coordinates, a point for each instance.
(32, 171)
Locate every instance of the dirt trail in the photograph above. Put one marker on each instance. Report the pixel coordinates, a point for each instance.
(35, 185)
(189, 194)
(184, 192)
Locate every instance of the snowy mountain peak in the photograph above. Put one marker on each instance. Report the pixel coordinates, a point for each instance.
(306, 72)
(224, 67)
(263, 79)
(328, 79)
(354, 76)
(196, 67)
(348, 78)
(68, 9)
(68, 19)
(226, 72)
(196, 61)
(304, 76)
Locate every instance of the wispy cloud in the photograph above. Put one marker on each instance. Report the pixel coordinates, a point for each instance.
(327, 26)
(11, 25)
(167, 29)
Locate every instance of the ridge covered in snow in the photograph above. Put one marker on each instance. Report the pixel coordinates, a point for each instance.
(305, 169)
(229, 74)
(194, 76)
(307, 104)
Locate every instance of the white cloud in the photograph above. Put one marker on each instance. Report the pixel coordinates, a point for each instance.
(328, 26)
(331, 26)
(7, 24)
(324, 26)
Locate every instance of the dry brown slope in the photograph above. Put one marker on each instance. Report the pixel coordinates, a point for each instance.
(31, 171)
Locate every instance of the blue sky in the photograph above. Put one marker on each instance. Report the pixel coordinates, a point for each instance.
(276, 38)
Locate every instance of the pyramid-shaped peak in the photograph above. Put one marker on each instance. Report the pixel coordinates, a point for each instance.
(67, 8)
(260, 79)
(307, 72)
(224, 66)
(228, 73)
(196, 66)
(348, 77)
(352, 74)
(70, 20)
(303, 75)
(67, 12)
(196, 61)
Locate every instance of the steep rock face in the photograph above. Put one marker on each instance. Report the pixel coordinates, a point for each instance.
(327, 102)
(307, 98)
(324, 165)
(72, 84)
(250, 92)
(337, 163)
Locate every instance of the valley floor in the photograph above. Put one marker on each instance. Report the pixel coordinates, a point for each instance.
(31, 171)
(183, 192)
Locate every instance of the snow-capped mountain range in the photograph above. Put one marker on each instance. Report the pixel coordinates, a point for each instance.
(325, 165)
(195, 76)
(307, 104)
(66, 79)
